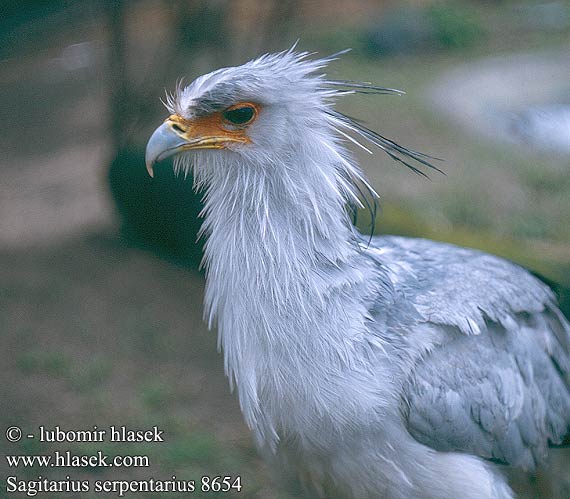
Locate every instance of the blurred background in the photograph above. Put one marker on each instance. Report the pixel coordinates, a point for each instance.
(100, 296)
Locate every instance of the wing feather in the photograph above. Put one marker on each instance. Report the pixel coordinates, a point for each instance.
(495, 381)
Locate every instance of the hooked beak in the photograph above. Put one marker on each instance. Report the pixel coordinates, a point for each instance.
(163, 143)
(176, 135)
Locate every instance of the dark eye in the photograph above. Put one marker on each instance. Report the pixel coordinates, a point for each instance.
(240, 115)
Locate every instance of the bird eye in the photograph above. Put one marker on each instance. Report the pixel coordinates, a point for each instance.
(239, 115)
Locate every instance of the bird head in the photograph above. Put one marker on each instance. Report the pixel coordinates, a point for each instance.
(257, 111)
(274, 114)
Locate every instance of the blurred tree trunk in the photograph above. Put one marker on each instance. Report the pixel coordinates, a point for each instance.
(118, 77)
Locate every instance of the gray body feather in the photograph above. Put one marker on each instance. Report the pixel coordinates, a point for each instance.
(498, 383)
(401, 370)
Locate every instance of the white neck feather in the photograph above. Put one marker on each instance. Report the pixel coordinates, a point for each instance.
(285, 277)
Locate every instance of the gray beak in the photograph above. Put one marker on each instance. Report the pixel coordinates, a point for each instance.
(163, 143)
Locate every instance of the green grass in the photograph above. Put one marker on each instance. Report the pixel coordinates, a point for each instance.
(92, 375)
(47, 363)
(155, 394)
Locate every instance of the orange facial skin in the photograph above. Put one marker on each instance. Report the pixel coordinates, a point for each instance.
(212, 131)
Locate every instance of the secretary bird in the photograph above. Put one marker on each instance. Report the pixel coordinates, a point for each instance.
(383, 368)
